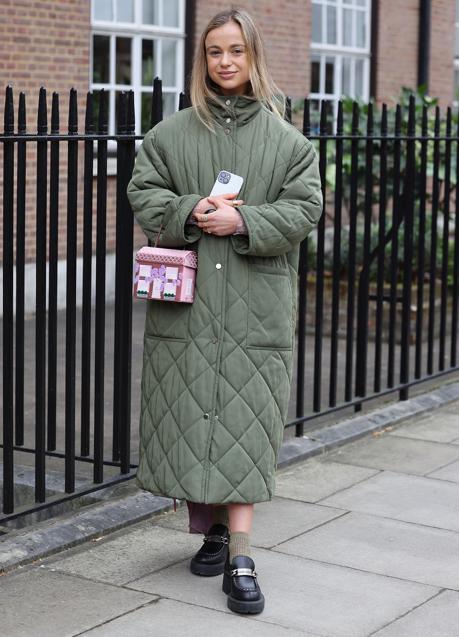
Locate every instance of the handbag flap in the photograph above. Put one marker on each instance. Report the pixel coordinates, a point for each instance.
(167, 256)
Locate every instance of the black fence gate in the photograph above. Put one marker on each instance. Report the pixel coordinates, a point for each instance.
(378, 282)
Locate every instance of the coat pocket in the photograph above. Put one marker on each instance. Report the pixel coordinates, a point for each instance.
(166, 319)
(270, 313)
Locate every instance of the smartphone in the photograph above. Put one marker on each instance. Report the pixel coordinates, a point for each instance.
(227, 183)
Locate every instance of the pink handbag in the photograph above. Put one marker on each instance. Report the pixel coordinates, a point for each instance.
(165, 274)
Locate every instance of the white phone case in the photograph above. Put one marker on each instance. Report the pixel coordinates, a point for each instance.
(227, 183)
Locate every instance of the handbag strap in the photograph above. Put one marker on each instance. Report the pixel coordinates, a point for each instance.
(157, 236)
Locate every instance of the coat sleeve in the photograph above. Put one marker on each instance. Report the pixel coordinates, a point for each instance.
(154, 202)
(275, 228)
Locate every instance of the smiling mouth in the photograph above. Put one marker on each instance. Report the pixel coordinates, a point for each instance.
(227, 75)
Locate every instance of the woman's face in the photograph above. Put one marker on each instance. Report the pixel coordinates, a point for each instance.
(227, 63)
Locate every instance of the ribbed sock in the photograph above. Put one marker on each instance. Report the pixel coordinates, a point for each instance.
(220, 515)
(239, 544)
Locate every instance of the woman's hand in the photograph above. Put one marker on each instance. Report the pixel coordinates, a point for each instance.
(224, 220)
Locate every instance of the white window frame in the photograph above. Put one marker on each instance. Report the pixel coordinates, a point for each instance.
(137, 31)
(339, 52)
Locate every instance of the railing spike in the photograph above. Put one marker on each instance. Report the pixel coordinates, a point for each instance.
(22, 114)
(89, 114)
(42, 119)
(55, 114)
(156, 103)
(73, 112)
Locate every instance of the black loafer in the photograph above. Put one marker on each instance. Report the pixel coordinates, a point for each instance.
(241, 585)
(211, 557)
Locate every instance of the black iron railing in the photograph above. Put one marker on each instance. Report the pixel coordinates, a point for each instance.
(378, 280)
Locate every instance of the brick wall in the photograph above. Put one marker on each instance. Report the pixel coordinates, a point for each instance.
(44, 43)
(397, 62)
(441, 71)
(397, 48)
(286, 29)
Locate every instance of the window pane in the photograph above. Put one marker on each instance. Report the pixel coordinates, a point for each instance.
(146, 112)
(329, 75)
(347, 27)
(361, 29)
(171, 13)
(125, 10)
(316, 23)
(150, 13)
(359, 66)
(103, 10)
(346, 77)
(331, 25)
(101, 59)
(123, 60)
(169, 58)
(456, 84)
(315, 75)
(168, 104)
(149, 65)
(117, 97)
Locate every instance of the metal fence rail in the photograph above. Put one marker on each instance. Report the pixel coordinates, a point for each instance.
(389, 238)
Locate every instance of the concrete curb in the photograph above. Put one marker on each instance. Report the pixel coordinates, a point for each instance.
(97, 520)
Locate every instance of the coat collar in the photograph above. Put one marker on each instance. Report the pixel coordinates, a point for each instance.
(241, 108)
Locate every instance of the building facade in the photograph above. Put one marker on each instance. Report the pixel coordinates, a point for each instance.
(322, 49)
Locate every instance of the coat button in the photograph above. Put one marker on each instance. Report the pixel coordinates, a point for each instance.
(218, 266)
(228, 120)
(206, 416)
(228, 102)
(227, 131)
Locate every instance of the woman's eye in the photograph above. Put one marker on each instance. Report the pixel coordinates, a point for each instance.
(214, 53)
(238, 51)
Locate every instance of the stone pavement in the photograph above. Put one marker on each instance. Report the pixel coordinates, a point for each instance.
(361, 541)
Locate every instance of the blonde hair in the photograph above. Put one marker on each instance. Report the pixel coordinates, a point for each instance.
(263, 88)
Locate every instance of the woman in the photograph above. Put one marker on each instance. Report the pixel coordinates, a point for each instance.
(216, 375)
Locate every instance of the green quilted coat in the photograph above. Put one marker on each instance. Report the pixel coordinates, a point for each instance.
(216, 373)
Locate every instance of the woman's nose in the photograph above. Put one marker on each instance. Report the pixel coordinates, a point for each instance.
(226, 59)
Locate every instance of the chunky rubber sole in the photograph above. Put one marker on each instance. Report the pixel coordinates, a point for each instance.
(238, 605)
(207, 570)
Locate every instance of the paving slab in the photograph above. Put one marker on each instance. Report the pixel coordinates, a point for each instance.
(403, 497)
(440, 427)
(316, 479)
(129, 555)
(169, 618)
(281, 519)
(397, 453)
(439, 617)
(302, 594)
(388, 547)
(450, 472)
(38, 602)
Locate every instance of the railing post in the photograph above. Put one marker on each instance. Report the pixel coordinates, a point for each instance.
(348, 393)
(336, 258)
(40, 316)
(20, 273)
(364, 278)
(87, 279)
(8, 396)
(408, 201)
(53, 258)
(99, 340)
